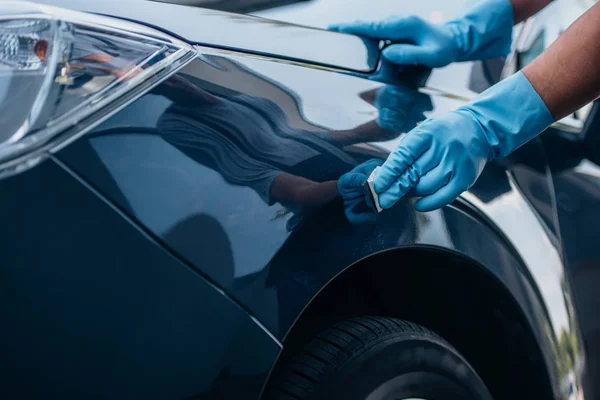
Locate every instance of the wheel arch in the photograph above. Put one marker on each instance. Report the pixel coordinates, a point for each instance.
(454, 295)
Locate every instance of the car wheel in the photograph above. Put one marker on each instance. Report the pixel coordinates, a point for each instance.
(376, 358)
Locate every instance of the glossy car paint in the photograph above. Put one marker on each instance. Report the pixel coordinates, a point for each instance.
(234, 31)
(322, 13)
(577, 234)
(238, 6)
(92, 307)
(577, 181)
(274, 256)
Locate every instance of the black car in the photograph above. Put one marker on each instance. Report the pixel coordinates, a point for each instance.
(238, 6)
(172, 228)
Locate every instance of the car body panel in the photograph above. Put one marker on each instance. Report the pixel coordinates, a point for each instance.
(275, 255)
(93, 308)
(321, 13)
(238, 6)
(240, 32)
(576, 181)
(202, 193)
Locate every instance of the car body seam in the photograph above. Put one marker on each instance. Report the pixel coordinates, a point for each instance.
(157, 242)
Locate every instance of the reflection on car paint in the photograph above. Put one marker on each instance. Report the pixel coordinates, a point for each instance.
(94, 309)
(577, 186)
(222, 148)
(241, 32)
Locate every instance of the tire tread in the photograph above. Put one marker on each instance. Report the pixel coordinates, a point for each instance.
(331, 348)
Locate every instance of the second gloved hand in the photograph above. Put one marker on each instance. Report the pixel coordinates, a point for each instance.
(443, 156)
(357, 205)
(483, 32)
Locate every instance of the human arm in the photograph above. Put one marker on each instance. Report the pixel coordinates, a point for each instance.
(367, 132)
(288, 188)
(567, 74)
(524, 9)
(444, 156)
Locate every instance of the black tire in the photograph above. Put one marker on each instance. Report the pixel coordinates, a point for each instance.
(376, 358)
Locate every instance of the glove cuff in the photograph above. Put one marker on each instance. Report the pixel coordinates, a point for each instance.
(510, 113)
(485, 31)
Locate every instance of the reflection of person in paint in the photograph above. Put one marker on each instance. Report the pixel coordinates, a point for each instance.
(400, 108)
(214, 251)
(249, 142)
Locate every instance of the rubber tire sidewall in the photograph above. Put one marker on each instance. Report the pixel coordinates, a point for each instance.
(395, 361)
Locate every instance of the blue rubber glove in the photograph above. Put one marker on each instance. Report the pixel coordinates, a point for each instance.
(357, 203)
(443, 156)
(484, 32)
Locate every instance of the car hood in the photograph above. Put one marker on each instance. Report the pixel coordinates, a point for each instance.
(457, 78)
(240, 32)
(301, 38)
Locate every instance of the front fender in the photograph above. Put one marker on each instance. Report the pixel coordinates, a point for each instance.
(531, 270)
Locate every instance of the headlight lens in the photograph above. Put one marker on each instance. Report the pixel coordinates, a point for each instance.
(62, 71)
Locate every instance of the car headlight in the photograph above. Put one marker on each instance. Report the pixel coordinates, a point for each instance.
(62, 72)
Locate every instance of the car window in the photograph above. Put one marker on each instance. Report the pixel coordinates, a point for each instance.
(542, 30)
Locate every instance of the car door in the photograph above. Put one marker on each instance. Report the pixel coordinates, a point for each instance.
(572, 150)
(576, 180)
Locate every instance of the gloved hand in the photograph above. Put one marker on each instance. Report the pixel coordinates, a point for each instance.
(484, 32)
(443, 156)
(357, 203)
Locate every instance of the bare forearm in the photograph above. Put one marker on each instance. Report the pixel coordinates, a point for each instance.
(527, 8)
(567, 74)
(299, 190)
(362, 133)
(317, 194)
